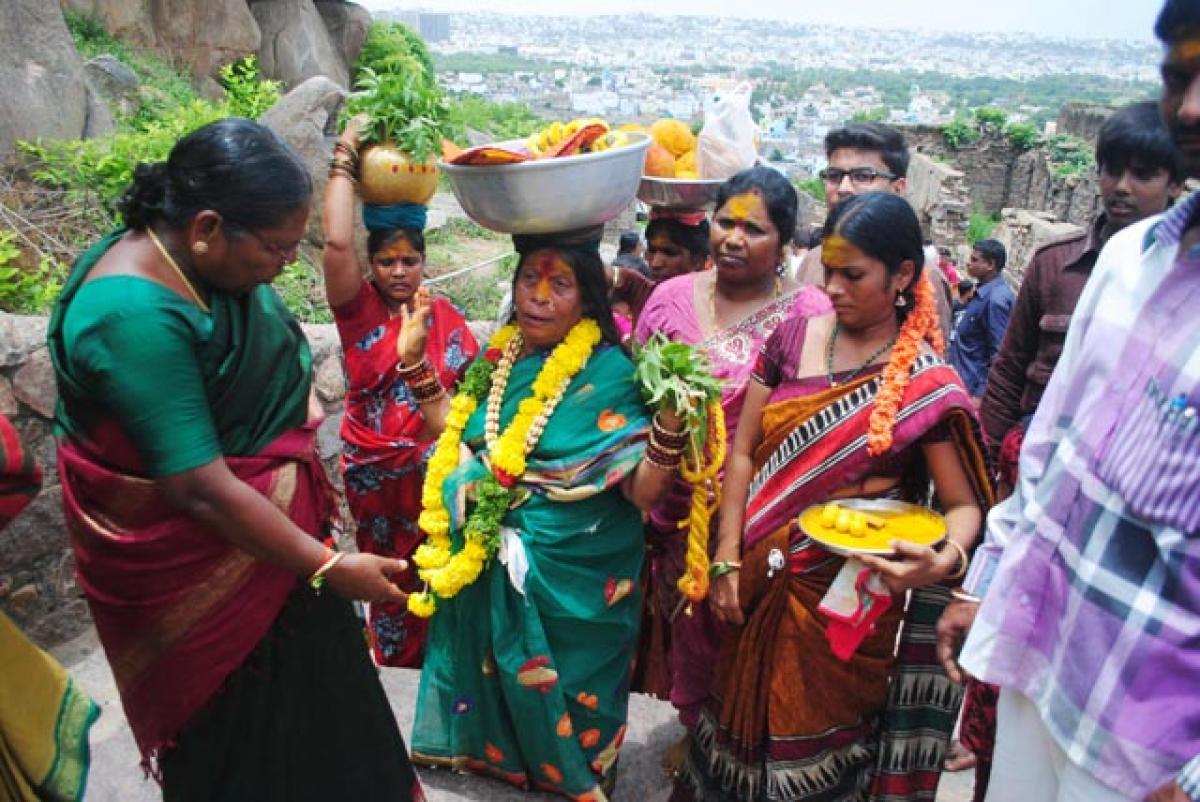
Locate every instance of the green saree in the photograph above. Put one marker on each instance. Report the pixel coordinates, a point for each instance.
(526, 672)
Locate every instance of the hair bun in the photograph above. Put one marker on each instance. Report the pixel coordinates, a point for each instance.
(143, 200)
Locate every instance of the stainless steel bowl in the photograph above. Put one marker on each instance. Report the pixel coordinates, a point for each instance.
(550, 195)
(679, 193)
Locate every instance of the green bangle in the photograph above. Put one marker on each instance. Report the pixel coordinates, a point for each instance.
(719, 569)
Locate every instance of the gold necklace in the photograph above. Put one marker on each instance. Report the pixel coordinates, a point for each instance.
(712, 299)
(174, 266)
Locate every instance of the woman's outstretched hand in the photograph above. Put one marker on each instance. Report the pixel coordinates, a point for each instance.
(366, 577)
(911, 565)
(414, 329)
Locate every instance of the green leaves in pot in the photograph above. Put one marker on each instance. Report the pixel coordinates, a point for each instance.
(407, 108)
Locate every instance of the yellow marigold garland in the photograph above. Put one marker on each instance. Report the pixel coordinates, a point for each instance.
(701, 473)
(444, 572)
(920, 324)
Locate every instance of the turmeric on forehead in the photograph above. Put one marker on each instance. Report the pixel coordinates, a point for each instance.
(744, 205)
(836, 250)
(1185, 49)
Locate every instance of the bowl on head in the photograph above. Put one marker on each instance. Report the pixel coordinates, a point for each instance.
(542, 196)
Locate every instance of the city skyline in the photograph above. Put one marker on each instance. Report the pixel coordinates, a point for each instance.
(1132, 20)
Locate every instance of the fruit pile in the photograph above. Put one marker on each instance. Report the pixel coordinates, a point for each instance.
(847, 521)
(672, 154)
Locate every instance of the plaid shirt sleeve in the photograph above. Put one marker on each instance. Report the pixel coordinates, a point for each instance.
(1189, 779)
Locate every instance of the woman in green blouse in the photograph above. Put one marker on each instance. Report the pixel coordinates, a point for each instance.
(195, 502)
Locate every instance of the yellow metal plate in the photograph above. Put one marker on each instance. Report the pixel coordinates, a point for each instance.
(900, 521)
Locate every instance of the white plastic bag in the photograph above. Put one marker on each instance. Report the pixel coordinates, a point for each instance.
(728, 142)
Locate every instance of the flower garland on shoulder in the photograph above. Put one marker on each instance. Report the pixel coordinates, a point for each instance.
(920, 325)
(444, 571)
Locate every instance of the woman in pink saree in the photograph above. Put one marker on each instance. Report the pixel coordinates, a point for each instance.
(727, 312)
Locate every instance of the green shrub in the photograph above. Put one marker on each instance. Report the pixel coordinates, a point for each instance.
(500, 120)
(960, 131)
(303, 292)
(480, 296)
(1022, 135)
(878, 114)
(1069, 155)
(814, 186)
(990, 117)
(27, 292)
(980, 226)
(247, 93)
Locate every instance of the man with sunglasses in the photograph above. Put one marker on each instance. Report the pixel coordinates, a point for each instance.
(868, 157)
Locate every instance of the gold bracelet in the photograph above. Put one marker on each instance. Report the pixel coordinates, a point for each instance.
(966, 561)
(962, 595)
(317, 580)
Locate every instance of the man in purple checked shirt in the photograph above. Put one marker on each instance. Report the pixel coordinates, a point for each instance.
(1085, 597)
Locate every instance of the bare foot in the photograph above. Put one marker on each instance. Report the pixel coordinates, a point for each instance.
(959, 758)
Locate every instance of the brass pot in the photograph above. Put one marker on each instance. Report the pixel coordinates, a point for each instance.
(387, 175)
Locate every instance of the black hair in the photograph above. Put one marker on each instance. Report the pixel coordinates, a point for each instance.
(628, 241)
(1135, 135)
(235, 167)
(693, 239)
(777, 192)
(993, 251)
(380, 238)
(585, 262)
(884, 227)
(1178, 18)
(871, 136)
(815, 237)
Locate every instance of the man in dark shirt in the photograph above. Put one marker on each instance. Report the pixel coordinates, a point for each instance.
(980, 331)
(629, 253)
(1140, 173)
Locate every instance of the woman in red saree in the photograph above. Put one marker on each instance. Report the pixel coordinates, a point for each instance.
(813, 699)
(195, 501)
(385, 441)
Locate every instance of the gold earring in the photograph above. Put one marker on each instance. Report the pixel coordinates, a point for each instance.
(200, 247)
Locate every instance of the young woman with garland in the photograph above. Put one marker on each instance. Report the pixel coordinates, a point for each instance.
(855, 403)
(533, 503)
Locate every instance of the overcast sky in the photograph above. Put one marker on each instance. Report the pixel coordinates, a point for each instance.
(1116, 19)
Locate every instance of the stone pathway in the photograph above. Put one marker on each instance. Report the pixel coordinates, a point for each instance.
(116, 776)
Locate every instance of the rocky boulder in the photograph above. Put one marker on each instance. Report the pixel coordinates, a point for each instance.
(200, 36)
(110, 79)
(43, 93)
(306, 118)
(295, 45)
(1022, 232)
(347, 24)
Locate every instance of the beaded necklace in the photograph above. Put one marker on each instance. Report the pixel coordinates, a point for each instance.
(837, 327)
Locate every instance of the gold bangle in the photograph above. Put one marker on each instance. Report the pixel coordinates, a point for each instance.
(963, 596)
(317, 580)
(966, 561)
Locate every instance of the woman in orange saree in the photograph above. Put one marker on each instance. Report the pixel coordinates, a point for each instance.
(814, 699)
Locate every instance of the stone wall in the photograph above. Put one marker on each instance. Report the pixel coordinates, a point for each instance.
(1022, 232)
(1001, 177)
(941, 199)
(37, 572)
(1082, 120)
